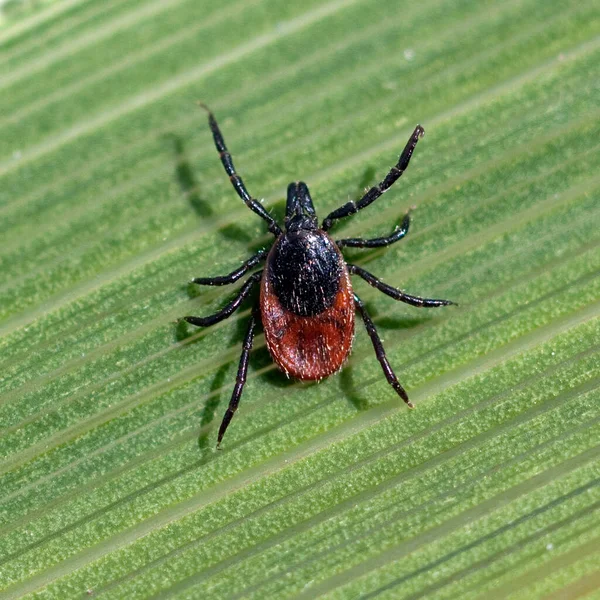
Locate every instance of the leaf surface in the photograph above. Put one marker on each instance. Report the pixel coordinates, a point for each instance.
(112, 198)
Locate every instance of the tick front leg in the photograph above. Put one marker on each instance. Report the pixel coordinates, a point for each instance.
(239, 381)
(398, 234)
(230, 308)
(395, 293)
(234, 275)
(375, 192)
(380, 352)
(253, 204)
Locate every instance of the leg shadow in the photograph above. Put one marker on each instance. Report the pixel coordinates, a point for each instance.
(402, 322)
(210, 408)
(184, 174)
(347, 384)
(367, 180)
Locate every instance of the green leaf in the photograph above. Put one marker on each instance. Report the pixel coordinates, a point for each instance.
(112, 198)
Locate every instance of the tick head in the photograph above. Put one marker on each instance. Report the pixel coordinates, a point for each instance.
(299, 211)
(298, 222)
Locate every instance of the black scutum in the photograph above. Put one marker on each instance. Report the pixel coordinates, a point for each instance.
(305, 271)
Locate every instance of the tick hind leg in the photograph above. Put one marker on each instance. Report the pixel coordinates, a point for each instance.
(395, 293)
(240, 380)
(230, 308)
(380, 352)
(235, 179)
(393, 175)
(397, 235)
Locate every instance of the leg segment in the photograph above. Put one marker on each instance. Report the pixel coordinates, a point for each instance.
(398, 234)
(239, 381)
(234, 275)
(395, 172)
(235, 179)
(397, 294)
(380, 352)
(230, 308)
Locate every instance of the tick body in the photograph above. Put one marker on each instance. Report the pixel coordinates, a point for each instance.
(307, 305)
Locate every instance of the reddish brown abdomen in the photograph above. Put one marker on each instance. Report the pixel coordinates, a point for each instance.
(311, 347)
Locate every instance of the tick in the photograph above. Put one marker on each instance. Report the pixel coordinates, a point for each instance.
(307, 304)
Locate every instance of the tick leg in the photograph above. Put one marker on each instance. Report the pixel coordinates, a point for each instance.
(380, 352)
(230, 308)
(393, 175)
(234, 275)
(398, 234)
(397, 294)
(240, 380)
(235, 179)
